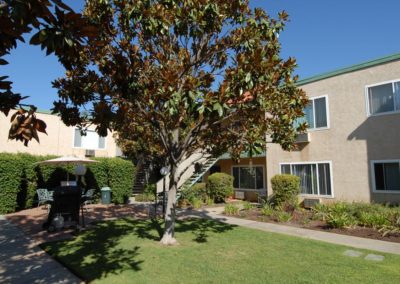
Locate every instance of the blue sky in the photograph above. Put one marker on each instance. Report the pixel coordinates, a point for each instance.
(321, 35)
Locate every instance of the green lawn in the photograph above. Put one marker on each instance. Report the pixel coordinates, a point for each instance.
(127, 250)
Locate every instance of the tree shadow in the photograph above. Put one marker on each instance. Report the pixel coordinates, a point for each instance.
(103, 250)
(202, 228)
(23, 191)
(97, 253)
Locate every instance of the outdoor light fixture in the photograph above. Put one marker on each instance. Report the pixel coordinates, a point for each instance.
(164, 171)
(80, 170)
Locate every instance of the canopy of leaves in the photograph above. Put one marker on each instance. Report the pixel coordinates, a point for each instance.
(175, 76)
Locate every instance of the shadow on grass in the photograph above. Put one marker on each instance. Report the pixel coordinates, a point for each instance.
(114, 246)
(201, 228)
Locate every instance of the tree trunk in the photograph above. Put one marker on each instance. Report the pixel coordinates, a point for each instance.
(169, 233)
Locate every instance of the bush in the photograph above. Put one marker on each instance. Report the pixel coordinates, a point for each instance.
(231, 209)
(149, 193)
(340, 220)
(283, 217)
(20, 177)
(198, 191)
(196, 203)
(285, 188)
(247, 206)
(267, 210)
(219, 186)
(374, 220)
(120, 179)
(341, 215)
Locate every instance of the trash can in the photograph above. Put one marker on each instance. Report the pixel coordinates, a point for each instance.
(105, 195)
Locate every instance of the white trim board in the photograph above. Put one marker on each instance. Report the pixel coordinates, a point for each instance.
(311, 163)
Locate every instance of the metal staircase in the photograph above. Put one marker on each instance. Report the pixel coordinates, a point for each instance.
(141, 178)
(197, 175)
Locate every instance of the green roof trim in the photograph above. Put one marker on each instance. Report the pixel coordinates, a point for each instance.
(357, 67)
(227, 156)
(45, 111)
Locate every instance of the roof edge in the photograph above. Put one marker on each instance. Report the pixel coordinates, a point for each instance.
(349, 69)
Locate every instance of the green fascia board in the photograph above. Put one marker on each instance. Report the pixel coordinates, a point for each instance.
(227, 156)
(45, 111)
(353, 68)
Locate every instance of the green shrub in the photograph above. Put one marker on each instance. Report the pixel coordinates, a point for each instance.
(320, 211)
(20, 177)
(247, 206)
(144, 197)
(231, 209)
(374, 220)
(342, 214)
(283, 217)
(196, 191)
(285, 188)
(267, 210)
(209, 201)
(340, 219)
(219, 186)
(196, 203)
(120, 179)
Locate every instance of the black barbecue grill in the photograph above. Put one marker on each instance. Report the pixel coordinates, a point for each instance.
(67, 202)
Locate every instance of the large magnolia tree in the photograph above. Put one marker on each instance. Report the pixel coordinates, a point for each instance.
(175, 76)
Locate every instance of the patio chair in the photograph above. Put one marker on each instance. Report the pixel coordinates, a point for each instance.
(88, 197)
(44, 197)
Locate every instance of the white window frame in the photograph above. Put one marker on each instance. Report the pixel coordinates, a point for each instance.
(328, 122)
(97, 148)
(313, 163)
(367, 98)
(373, 162)
(248, 166)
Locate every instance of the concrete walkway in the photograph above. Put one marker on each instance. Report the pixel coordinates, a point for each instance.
(356, 242)
(23, 262)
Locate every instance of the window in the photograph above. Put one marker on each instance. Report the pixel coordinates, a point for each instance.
(386, 175)
(384, 98)
(90, 141)
(315, 178)
(316, 114)
(248, 177)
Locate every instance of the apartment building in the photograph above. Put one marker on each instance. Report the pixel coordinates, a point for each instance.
(60, 141)
(351, 150)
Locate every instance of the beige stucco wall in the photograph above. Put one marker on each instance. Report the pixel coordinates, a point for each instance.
(353, 139)
(59, 140)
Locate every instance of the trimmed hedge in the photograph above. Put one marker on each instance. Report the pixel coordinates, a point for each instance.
(219, 186)
(19, 179)
(285, 188)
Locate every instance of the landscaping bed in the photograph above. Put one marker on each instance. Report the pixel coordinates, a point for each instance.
(344, 221)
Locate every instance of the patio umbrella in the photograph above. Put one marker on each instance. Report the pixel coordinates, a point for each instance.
(67, 160)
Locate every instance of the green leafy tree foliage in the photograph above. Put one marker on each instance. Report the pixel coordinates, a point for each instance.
(176, 76)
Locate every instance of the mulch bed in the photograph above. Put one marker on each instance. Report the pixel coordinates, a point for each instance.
(304, 220)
